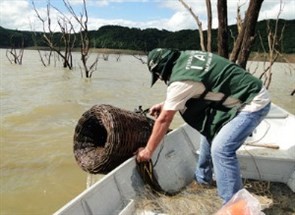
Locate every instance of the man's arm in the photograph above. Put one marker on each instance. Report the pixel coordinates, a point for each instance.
(177, 95)
(160, 128)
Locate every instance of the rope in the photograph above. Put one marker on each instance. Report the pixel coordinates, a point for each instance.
(146, 171)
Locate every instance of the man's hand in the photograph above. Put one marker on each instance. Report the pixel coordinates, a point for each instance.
(143, 154)
(160, 128)
(155, 110)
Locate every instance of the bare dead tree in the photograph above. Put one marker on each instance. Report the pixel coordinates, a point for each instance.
(15, 56)
(84, 37)
(223, 28)
(140, 59)
(118, 57)
(202, 43)
(241, 50)
(105, 56)
(16, 52)
(271, 54)
(67, 29)
(239, 23)
(49, 36)
(242, 45)
(245, 39)
(246, 36)
(209, 30)
(44, 57)
(239, 18)
(273, 49)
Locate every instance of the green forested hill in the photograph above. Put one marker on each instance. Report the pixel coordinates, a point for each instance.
(118, 37)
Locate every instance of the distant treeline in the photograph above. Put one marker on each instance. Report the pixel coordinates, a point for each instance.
(118, 37)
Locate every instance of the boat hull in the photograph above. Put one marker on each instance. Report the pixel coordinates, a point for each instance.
(175, 162)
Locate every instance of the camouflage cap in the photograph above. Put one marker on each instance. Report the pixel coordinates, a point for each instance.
(157, 58)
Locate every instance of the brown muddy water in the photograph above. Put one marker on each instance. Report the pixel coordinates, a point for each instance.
(40, 107)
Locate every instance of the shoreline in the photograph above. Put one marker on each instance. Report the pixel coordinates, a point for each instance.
(254, 56)
(284, 58)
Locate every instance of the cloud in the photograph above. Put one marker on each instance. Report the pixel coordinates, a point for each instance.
(181, 20)
(10, 15)
(270, 10)
(19, 14)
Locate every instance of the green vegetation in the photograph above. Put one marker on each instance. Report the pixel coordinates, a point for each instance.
(118, 37)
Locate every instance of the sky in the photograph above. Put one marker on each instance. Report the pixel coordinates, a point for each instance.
(161, 14)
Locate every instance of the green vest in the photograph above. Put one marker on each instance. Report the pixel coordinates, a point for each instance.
(218, 75)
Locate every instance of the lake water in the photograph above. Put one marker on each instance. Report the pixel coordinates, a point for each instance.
(40, 107)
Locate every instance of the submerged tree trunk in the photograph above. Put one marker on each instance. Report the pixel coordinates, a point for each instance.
(209, 31)
(84, 38)
(50, 37)
(16, 52)
(223, 28)
(241, 50)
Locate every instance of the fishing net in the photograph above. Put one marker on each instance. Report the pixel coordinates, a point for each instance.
(275, 198)
(105, 136)
(194, 199)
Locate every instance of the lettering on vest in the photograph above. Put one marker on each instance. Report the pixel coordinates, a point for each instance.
(209, 61)
(199, 56)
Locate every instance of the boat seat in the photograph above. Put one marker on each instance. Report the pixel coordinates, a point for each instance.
(276, 113)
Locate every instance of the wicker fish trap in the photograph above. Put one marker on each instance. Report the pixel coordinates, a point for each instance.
(106, 136)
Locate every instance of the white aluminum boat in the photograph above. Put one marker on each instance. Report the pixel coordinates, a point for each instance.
(269, 155)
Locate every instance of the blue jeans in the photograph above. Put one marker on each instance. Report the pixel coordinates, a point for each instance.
(221, 156)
